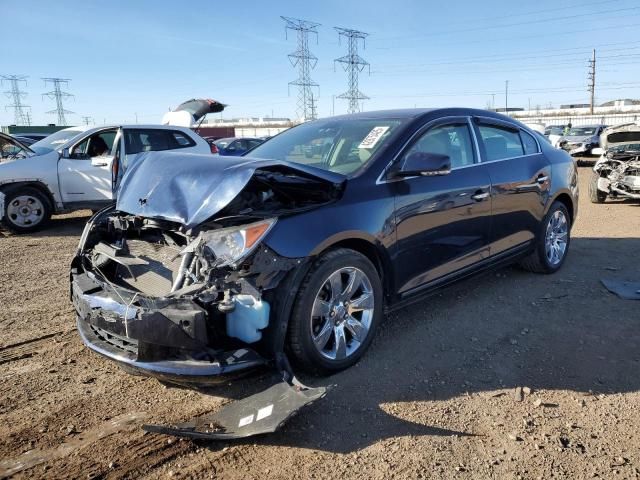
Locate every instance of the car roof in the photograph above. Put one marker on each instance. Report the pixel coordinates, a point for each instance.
(412, 113)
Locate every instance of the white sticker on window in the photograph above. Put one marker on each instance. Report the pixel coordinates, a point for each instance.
(245, 421)
(264, 412)
(373, 137)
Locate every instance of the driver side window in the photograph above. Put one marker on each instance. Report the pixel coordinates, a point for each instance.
(451, 140)
(98, 144)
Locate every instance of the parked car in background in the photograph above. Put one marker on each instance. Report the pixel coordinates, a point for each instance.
(554, 133)
(29, 138)
(581, 140)
(12, 148)
(72, 169)
(236, 147)
(617, 173)
(207, 269)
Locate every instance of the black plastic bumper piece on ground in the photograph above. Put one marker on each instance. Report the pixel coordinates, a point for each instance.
(264, 412)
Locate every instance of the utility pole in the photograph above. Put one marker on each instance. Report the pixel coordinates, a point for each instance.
(506, 97)
(493, 101)
(305, 61)
(20, 111)
(59, 96)
(86, 120)
(592, 81)
(353, 64)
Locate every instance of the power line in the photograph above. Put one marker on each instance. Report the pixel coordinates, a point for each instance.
(353, 64)
(555, 18)
(592, 80)
(59, 96)
(20, 111)
(305, 61)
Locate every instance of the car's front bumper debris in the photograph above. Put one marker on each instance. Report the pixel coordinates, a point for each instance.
(264, 412)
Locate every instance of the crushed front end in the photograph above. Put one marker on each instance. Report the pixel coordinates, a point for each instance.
(154, 297)
(177, 281)
(618, 170)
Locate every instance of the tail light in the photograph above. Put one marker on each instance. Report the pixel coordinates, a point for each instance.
(213, 148)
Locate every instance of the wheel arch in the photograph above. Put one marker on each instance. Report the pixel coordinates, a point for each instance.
(566, 199)
(368, 247)
(36, 185)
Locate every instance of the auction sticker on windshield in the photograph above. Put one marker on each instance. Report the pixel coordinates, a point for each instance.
(373, 137)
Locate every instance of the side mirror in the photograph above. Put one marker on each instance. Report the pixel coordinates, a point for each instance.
(425, 164)
(66, 153)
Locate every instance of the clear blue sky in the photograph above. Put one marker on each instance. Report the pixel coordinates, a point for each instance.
(128, 57)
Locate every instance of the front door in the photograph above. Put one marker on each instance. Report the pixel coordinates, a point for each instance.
(442, 222)
(85, 174)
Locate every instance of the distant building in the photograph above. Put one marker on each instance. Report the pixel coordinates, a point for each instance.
(575, 105)
(508, 109)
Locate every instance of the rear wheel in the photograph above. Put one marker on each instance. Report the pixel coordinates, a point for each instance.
(336, 312)
(595, 195)
(552, 242)
(25, 209)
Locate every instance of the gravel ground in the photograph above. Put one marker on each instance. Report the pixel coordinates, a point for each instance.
(506, 375)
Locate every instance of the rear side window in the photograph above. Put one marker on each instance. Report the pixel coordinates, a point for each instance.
(500, 143)
(529, 143)
(155, 140)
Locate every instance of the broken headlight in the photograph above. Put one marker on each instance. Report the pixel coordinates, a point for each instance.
(231, 245)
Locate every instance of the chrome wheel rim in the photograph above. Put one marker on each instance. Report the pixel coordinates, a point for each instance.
(342, 313)
(556, 237)
(25, 211)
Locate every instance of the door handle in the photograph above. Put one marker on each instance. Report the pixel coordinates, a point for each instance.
(480, 196)
(542, 179)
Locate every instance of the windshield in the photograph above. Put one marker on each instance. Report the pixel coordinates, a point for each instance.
(554, 130)
(56, 140)
(223, 142)
(582, 131)
(337, 145)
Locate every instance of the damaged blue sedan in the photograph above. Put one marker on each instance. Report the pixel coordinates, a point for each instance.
(208, 267)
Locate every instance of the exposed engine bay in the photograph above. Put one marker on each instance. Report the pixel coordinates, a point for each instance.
(617, 172)
(620, 174)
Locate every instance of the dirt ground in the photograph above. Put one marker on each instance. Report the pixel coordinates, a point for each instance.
(505, 375)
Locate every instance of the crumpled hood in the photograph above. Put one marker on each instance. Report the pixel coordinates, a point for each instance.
(189, 188)
(626, 134)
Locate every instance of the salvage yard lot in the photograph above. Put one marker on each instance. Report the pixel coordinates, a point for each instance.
(436, 396)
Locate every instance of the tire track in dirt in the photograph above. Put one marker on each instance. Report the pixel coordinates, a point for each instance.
(27, 348)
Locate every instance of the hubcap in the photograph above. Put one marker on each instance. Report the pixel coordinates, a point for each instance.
(25, 211)
(342, 313)
(556, 237)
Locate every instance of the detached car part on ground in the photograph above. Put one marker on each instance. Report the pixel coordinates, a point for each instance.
(207, 270)
(617, 173)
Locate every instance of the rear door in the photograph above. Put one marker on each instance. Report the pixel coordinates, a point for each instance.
(442, 222)
(520, 178)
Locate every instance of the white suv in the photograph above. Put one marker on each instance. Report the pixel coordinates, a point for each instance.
(61, 174)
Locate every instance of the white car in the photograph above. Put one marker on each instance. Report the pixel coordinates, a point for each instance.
(72, 169)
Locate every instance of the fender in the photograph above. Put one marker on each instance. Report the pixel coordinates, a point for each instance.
(37, 183)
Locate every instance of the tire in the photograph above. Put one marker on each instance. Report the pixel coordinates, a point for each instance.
(26, 209)
(341, 266)
(595, 195)
(542, 260)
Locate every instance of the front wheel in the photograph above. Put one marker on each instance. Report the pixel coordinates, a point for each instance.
(596, 195)
(552, 242)
(25, 209)
(336, 312)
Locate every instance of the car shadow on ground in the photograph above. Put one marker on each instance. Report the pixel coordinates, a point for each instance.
(492, 332)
